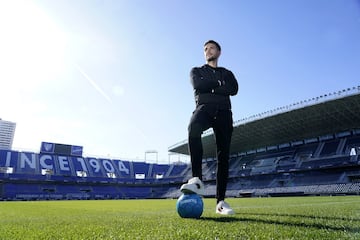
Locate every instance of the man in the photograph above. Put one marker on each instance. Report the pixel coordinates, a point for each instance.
(213, 87)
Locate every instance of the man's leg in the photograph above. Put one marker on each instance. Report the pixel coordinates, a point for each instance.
(223, 128)
(199, 122)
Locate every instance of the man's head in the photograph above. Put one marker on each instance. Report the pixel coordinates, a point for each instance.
(212, 51)
(213, 42)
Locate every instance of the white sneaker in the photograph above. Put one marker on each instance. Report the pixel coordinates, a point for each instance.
(194, 185)
(224, 208)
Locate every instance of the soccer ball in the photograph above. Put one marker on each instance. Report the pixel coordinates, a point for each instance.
(190, 206)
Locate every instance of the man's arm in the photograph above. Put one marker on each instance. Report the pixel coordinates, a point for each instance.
(229, 85)
(201, 84)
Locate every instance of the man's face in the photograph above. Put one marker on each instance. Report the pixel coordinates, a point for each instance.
(211, 52)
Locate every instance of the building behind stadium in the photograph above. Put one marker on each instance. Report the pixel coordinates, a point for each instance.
(7, 132)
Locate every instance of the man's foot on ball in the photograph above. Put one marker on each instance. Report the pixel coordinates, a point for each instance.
(194, 185)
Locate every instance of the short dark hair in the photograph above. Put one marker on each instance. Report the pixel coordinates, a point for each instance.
(213, 42)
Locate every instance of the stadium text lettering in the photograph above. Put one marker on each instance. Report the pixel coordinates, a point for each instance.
(24, 162)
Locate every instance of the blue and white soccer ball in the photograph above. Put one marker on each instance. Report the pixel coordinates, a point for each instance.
(190, 206)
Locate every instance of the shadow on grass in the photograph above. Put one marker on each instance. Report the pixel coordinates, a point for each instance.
(302, 216)
(298, 223)
(221, 219)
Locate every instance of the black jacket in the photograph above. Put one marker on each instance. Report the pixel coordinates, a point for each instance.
(213, 86)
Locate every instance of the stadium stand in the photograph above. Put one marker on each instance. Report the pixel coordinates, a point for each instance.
(308, 150)
(332, 164)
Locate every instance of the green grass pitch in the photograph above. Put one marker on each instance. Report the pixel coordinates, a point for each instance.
(256, 218)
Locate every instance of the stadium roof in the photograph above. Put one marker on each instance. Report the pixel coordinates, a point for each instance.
(307, 119)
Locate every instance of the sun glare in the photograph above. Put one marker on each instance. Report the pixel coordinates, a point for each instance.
(31, 45)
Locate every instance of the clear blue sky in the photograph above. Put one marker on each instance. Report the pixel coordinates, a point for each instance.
(113, 76)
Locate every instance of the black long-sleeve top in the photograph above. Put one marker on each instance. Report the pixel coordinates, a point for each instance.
(213, 86)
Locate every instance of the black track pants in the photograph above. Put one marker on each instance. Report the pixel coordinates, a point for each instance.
(203, 118)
